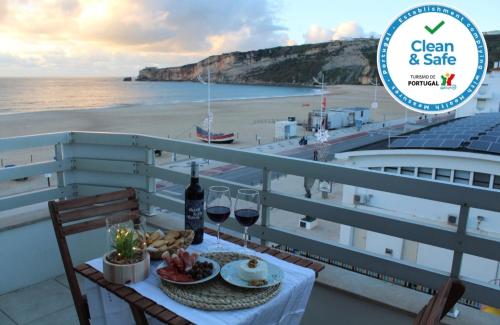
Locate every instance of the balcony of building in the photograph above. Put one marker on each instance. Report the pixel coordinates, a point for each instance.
(75, 164)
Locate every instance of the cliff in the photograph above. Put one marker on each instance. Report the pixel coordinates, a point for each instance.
(342, 62)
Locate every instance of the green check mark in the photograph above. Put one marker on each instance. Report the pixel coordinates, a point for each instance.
(435, 29)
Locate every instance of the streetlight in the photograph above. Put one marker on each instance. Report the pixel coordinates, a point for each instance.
(375, 103)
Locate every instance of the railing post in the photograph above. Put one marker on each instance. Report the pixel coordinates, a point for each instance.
(148, 210)
(266, 187)
(458, 252)
(59, 156)
(461, 230)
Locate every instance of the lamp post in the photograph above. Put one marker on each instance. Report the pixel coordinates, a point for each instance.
(209, 118)
(375, 103)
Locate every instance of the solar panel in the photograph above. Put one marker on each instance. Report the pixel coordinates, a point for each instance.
(452, 144)
(445, 136)
(479, 145)
(495, 147)
(399, 143)
(480, 132)
(416, 143)
(488, 138)
(433, 143)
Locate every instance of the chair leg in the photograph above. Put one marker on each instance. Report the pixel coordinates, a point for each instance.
(86, 306)
(83, 315)
(139, 317)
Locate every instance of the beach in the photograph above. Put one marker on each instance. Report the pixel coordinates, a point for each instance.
(249, 118)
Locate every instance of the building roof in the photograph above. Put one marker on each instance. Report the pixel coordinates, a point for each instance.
(477, 133)
(350, 109)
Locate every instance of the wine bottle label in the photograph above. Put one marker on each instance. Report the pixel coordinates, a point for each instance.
(194, 214)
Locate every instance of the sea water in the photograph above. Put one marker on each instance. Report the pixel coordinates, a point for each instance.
(42, 94)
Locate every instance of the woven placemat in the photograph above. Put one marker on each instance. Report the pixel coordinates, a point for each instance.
(217, 294)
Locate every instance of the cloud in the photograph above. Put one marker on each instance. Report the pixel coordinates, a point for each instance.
(350, 29)
(317, 34)
(345, 30)
(3, 9)
(162, 32)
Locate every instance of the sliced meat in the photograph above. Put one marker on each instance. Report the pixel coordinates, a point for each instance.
(170, 273)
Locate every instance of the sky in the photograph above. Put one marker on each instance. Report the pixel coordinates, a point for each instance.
(47, 38)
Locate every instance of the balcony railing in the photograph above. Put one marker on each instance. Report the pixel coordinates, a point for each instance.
(88, 163)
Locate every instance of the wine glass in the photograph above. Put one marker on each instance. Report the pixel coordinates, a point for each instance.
(218, 209)
(247, 210)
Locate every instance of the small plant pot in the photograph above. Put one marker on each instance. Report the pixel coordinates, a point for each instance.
(125, 273)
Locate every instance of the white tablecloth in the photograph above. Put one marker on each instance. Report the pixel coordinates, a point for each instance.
(286, 308)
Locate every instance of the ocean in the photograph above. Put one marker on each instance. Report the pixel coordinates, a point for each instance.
(42, 94)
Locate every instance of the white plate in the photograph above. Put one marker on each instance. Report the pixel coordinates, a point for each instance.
(215, 271)
(230, 273)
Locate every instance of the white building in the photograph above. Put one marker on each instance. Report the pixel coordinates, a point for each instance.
(487, 99)
(442, 154)
(355, 114)
(285, 129)
(336, 118)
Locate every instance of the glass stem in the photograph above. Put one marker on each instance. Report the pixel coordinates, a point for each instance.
(218, 233)
(246, 237)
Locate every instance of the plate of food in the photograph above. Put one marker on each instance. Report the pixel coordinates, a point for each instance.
(186, 268)
(159, 242)
(252, 273)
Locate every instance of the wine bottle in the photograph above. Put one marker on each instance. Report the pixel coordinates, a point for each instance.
(194, 205)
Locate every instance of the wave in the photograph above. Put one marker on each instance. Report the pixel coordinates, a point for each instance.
(30, 95)
(259, 97)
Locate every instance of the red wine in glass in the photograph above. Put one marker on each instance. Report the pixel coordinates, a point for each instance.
(247, 210)
(246, 217)
(218, 209)
(218, 214)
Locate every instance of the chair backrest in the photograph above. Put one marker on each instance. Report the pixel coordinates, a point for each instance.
(74, 216)
(441, 303)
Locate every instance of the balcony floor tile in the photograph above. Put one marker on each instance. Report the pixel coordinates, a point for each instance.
(331, 306)
(4, 320)
(67, 316)
(36, 301)
(62, 279)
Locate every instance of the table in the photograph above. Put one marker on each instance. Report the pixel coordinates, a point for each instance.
(109, 303)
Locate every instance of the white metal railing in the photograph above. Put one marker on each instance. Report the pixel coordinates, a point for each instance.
(89, 163)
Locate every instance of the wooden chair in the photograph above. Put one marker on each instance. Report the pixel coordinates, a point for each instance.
(74, 216)
(439, 305)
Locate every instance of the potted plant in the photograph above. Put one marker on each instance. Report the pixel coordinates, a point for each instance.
(127, 260)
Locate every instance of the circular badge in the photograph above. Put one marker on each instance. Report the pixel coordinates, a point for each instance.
(432, 58)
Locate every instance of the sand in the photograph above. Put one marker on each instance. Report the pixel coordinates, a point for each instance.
(249, 119)
(245, 117)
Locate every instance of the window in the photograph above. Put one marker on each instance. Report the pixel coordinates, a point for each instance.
(425, 172)
(375, 168)
(443, 174)
(362, 113)
(461, 177)
(408, 171)
(392, 170)
(481, 179)
(496, 182)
